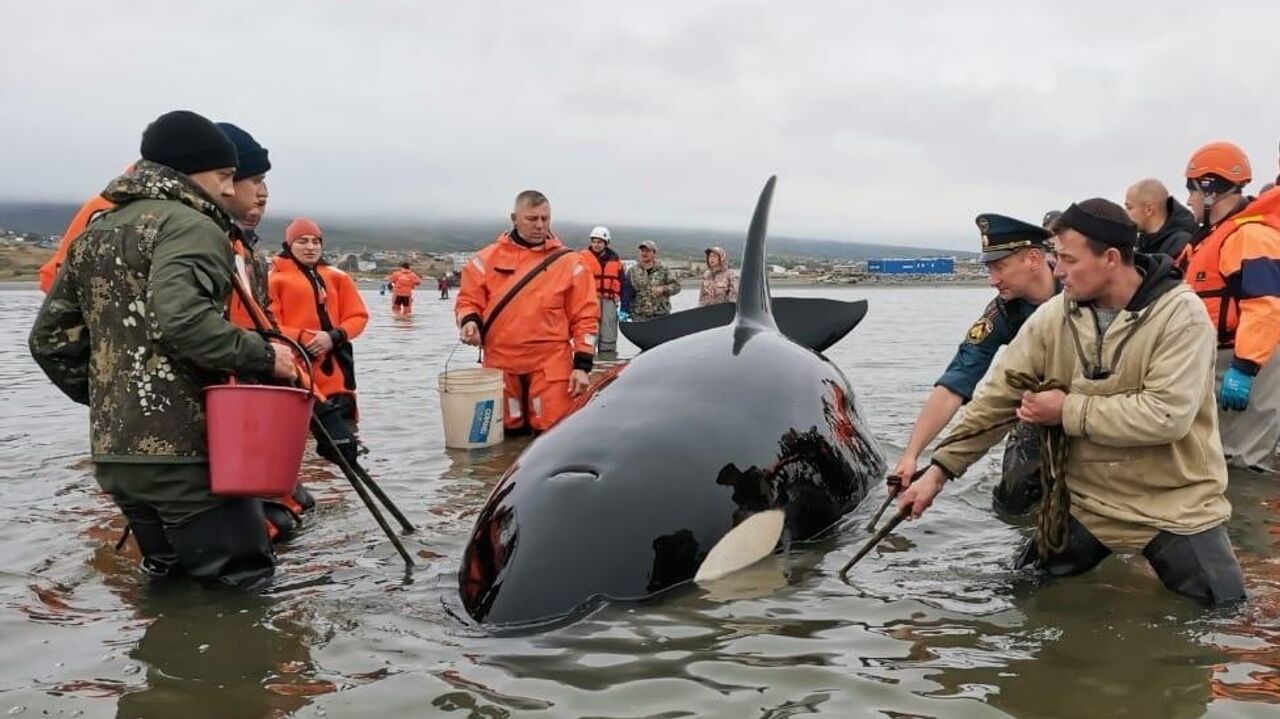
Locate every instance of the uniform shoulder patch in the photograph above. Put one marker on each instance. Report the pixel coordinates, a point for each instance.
(980, 330)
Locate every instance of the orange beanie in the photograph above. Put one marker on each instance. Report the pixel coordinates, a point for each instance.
(300, 228)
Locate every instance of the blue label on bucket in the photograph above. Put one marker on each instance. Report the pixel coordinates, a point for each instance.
(481, 418)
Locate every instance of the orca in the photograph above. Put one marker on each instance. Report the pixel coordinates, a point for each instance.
(702, 456)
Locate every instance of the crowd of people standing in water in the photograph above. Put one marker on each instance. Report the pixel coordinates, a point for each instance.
(1141, 337)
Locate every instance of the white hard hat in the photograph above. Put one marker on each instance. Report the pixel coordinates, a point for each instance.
(600, 232)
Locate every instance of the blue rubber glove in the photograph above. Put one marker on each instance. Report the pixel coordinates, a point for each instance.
(1234, 394)
(624, 316)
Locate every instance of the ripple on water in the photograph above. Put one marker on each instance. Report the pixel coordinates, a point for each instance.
(932, 623)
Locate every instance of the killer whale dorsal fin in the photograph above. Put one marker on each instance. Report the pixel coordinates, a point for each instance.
(815, 322)
(755, 309)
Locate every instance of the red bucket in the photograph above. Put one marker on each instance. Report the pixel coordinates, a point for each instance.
(257, 434)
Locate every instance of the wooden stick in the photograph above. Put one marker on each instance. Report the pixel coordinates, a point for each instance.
(871, 543)
(895, 485)
(323, 435)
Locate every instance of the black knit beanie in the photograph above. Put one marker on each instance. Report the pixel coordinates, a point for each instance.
(1101, 220)
(188, 143)
(253, 157)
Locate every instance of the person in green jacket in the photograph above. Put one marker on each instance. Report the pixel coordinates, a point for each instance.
(135, 327)
(652, 283)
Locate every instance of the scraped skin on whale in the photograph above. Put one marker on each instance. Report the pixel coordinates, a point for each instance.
(674, 460)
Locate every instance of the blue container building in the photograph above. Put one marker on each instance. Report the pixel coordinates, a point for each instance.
(915, 266)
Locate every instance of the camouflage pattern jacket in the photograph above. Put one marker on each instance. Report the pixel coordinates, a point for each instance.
(134, 326)
(645, 304)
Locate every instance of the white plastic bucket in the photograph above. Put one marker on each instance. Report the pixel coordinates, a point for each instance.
(471, 407)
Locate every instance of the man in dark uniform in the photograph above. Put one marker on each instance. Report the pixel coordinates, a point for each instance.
(1017, 258)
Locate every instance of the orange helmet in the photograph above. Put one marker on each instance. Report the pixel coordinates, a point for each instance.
(1224, 159)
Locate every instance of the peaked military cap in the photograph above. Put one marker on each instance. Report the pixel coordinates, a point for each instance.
(1002, 236)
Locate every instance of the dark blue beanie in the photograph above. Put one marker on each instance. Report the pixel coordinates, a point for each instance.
(253, 157)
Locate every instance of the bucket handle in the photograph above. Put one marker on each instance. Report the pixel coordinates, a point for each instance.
(310, 384)
(450, 357)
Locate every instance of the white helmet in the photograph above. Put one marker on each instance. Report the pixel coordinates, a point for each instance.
(600, 232)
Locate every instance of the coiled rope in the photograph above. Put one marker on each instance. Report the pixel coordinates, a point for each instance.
(1055, 500)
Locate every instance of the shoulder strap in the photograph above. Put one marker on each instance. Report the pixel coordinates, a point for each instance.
(520, 285)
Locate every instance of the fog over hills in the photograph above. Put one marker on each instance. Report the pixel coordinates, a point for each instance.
(460, 236)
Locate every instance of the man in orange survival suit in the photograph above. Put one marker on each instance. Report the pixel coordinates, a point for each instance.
(403, 280)
(1233, 263)
(544, 338)
(319, 306)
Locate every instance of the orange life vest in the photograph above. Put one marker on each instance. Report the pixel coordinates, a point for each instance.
(237, 313)
(88, 212)
(1216, 279)
(608, 275)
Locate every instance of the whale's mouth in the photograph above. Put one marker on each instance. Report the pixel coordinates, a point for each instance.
(575, 473)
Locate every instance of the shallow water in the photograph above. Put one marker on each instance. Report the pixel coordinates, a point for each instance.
(932, 625)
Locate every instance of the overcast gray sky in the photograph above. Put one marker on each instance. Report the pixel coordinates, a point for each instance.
(896, 122)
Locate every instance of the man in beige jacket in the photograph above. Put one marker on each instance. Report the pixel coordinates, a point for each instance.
(1144, 463)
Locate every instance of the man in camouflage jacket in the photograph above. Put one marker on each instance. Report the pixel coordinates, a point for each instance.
(134, 326)
(652, 284)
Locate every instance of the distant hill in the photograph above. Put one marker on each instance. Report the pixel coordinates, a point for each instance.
(51, 218)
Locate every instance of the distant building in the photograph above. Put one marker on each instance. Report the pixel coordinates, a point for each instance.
(348, 262)
(916, 266)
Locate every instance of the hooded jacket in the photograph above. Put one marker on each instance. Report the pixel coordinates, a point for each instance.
(1144, 453)
(1179, 225)
(134, 325)
(298, 294)
(720, 285)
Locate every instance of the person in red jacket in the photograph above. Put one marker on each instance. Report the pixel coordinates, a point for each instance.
(402, 282)
(1233, 263)
(541, 332)
(320, 307)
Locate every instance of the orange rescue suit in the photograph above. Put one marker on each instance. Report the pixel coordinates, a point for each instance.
(87, 213)
(403, 281)
(296, 303)
(542, 334)
(1236, 270)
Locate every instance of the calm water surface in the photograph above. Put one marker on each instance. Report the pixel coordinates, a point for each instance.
(933, 623)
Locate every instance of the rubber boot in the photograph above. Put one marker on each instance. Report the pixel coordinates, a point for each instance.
(159, 559)
(1201, 566)
(226, 546)
(1083, 553)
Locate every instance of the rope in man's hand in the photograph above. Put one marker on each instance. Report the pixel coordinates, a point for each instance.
(1055, 501)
